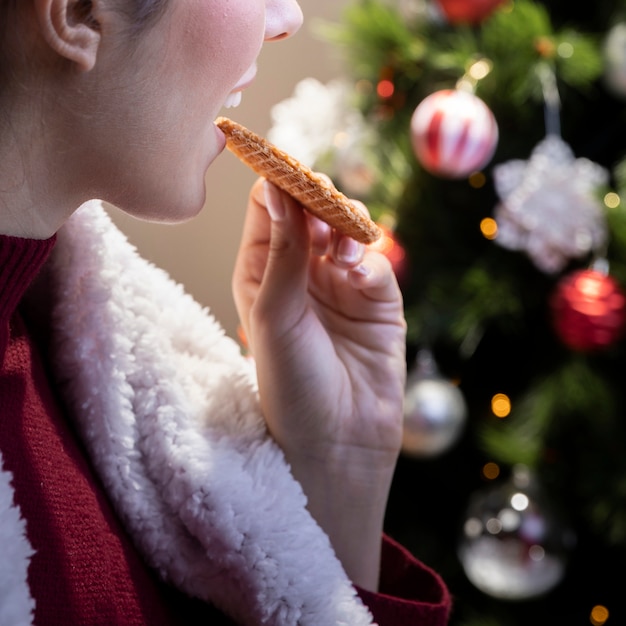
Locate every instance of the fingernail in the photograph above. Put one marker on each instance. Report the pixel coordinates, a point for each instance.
(349, 251)
(273, 202)
(361, 269)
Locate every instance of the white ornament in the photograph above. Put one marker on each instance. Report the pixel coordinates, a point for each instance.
(315, 120)
(548, 208)
(434, 410)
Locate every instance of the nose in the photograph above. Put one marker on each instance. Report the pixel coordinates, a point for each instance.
(283, 18)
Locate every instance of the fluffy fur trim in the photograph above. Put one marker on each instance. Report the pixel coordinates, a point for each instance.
(16, 603)
(168, 409)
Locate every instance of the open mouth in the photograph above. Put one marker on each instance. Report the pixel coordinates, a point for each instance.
(233, 100)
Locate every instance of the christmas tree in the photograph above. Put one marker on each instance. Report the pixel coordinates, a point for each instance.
(488, 139)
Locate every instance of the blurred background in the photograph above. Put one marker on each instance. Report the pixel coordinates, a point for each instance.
(201, 253)
(489, 138)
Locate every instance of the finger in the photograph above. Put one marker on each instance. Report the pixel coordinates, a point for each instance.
(375, 278)
(256, 225)
(286, 272)
(252, 254)
(321, 234)
(346, 252)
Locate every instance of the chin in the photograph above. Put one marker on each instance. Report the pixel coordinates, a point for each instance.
(170, 209)
(178, 213)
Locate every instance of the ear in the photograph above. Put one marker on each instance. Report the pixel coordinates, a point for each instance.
(70, 29)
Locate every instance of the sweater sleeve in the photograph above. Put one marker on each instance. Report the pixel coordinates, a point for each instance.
(410, 593)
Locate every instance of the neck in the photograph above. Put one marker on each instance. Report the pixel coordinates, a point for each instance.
(35, 195)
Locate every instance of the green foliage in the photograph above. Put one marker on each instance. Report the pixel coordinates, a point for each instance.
(608, 513)
(485, 297)
(523, 42)
(620, 176)
(572, 389)
(423, 56)
(374, 36)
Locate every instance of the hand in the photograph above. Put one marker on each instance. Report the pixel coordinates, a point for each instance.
(324, 321)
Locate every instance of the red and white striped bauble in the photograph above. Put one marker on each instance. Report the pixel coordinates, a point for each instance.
(454, 133)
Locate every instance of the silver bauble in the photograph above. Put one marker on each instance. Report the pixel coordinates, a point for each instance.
(434, 410)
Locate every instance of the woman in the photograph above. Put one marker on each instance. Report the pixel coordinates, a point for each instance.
(147, 476)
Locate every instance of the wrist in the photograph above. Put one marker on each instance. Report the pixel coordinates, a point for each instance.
(347, 495)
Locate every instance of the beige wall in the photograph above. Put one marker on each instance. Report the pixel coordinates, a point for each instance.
(201, 253)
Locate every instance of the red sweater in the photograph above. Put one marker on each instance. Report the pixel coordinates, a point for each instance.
(86, 569)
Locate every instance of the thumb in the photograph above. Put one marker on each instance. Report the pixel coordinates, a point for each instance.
(285, 279)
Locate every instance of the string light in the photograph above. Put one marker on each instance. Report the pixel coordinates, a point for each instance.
(385, 89)
(340, 139)
(477, 180)
(519, 501)
(478, 70)
(545, 47)
(565, 50)
(489, 228)
(501, 405)
(599, 615)
(491, 470)
(612, 200)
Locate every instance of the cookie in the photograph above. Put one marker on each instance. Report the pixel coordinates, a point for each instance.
(316, 194)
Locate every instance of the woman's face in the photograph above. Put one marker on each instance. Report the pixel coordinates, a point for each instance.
(159, 92)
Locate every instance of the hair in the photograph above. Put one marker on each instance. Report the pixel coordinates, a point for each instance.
(7, 7)
(140, 14)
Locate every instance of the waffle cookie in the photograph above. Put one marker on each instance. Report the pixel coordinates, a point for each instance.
(315, 193)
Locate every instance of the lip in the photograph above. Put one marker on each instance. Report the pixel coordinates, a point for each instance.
(246, 80)
(221, 138)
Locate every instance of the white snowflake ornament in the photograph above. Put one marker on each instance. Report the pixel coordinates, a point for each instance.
(321, 127)
(548, 208)
(307, 124)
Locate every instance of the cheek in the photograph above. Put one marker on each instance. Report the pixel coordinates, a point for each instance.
(223, 38)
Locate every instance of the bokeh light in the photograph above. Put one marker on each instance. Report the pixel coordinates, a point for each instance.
(599, 615)
(491, 470)
(489, 228)
(501, 405)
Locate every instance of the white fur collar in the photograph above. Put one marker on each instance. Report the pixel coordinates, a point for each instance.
(16, 604)
(168, 409)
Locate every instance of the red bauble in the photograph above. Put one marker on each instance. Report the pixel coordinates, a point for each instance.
(454, 133)
(388, 245)
(589, 310)
(468, 11)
